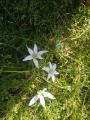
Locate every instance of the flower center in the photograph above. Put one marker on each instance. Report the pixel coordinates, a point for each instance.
(35, 56)
(51, 71)
(39, 92)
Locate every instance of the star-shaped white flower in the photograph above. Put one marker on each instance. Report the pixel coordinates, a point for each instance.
(51, 70)
(34, 55)
(40, 96)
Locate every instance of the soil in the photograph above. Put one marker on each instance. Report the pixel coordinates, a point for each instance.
(87, 3)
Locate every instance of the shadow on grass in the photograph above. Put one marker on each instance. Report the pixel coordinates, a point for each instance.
(27, 22)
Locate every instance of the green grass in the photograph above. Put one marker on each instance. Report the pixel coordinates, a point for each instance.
(62, 28)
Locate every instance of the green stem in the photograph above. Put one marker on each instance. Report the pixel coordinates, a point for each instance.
(15, 71)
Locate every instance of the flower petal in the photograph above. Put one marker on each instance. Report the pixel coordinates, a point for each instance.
(49, 75)
(39, 56)
(53, 78)
(42, 52)
(35, 48)
(46, 69)
(49, 95)
(56, 73)
(42, 101)
(50, 65)
(36, 63)
(33, 100)
(54, 66)
(30, 50)
(28, 58)
(45, 89)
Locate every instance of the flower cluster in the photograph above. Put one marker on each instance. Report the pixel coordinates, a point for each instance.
(36, 55)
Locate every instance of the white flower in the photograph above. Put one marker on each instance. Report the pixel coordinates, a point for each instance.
(40, 96)
(51, 70)
(34, 55)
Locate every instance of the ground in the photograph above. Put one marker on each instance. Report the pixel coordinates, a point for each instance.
(62, 28)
